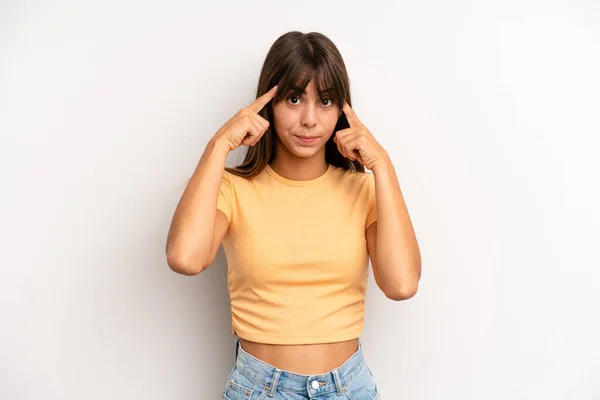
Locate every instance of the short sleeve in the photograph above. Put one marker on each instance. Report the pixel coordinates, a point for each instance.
(371, 201)
(226, 197)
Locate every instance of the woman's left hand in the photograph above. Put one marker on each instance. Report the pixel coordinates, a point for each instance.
(357, 142)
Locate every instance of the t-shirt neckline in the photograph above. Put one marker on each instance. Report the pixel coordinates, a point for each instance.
(291, 182)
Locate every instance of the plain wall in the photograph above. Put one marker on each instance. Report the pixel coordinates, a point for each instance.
(489, 111)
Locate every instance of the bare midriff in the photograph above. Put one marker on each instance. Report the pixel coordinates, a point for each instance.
(305, 359)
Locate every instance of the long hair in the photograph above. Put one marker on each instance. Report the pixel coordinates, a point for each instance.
(293, 60)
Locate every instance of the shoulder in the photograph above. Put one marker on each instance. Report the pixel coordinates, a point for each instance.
(358, 180)
(233, 177)
(239, 182)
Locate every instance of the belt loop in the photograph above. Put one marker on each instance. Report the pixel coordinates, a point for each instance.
(338, 381)
(274, 383)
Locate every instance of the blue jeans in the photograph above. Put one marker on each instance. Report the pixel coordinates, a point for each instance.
(253, 379)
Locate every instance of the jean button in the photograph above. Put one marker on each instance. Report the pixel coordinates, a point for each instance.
(315, 385)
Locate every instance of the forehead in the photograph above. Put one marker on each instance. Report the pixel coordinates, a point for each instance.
(307, 81)
(311, 88)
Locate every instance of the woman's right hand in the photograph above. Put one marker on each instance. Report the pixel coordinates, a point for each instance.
(246, 127)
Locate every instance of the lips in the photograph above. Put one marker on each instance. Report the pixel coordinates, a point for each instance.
(307, 139)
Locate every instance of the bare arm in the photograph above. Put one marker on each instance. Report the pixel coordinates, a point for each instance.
(198, 227)
(191, 239)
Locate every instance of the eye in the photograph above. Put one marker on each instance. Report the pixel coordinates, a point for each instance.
(329, 100)
(293, 97)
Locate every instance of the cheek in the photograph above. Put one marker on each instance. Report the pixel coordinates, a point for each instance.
(331, 120)
(334, 117)
(283, 118)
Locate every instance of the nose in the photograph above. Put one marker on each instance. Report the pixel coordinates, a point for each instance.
(308, 117)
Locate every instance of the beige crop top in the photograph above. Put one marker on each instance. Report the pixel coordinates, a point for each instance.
(297, 255)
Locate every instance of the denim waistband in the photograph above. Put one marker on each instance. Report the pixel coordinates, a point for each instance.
(280, 379)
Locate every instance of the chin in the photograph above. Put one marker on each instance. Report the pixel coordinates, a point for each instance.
(303, 152)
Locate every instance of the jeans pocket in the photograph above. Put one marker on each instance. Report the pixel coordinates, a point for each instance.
(235, 391)
(241, 387)
(363, 387)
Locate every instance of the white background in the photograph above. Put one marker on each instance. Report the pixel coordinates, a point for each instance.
(489, 110)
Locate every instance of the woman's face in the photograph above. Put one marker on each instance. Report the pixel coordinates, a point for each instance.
(306, 115)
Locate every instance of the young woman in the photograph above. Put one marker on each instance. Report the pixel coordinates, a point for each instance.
(298, 219)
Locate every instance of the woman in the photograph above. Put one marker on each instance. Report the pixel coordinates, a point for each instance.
(298, 220)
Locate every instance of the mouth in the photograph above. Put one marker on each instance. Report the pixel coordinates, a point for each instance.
(307, 139)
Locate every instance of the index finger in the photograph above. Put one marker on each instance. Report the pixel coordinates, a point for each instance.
(351, 115)
(263, 100)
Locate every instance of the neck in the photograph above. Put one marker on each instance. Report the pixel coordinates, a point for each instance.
(292, 167)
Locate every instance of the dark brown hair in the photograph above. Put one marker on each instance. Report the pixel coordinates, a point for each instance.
(293, 60)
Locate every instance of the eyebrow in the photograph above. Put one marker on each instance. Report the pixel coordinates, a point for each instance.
(297, 89)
